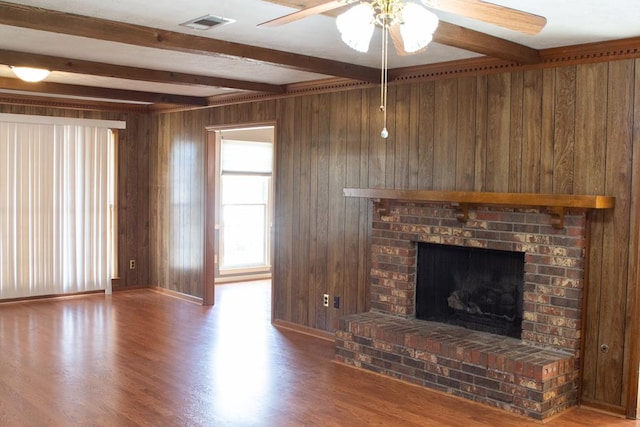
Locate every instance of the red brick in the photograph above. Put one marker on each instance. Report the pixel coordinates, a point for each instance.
(552, 302)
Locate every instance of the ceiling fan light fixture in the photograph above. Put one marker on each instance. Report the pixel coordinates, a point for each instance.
(31, 75)
(356, 26)
(417, 27)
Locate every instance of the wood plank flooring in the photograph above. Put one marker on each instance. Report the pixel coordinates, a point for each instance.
(142, 358)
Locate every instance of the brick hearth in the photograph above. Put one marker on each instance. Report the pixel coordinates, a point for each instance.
(536, 375)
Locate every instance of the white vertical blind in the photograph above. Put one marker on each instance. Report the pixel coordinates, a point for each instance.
(54, 208)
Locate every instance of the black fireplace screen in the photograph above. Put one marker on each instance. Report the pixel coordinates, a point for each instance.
(475, 288)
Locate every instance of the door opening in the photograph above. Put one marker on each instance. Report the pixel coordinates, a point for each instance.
(244, 203)
(239, 205)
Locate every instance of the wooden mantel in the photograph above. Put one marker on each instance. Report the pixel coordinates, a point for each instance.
(555, 203)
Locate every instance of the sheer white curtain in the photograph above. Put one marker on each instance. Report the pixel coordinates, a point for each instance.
(55, 197)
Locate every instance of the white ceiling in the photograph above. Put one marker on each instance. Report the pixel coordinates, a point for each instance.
(569, 22)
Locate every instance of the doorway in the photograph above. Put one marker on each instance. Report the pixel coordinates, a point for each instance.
(239, 204)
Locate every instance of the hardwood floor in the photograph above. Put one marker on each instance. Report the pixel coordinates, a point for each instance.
(142, 358)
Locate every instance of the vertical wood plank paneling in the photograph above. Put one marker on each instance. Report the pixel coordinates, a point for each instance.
(547, 128)
(261, 111)
(159, 184)
(445, 125)
(216, 116)
(564, 135)
(349, 294)
(378, 146)
(632, 330)
(532, 132)
(196, 137)
(316, 288)
(365, 137)
(593, 293)
(182, 204)
(231, 114)
(426, 135)
(211, 218)
(172, 213)
(498, 132)
(364, 219)
(481, 134)
(591, 95)
(391, 142)
(286, 291)
(133, 202)
(614, 271)
(300, 215)
(402, 124)
(336, 222)
(465, 138)
(414, 136)
(323, 212)
(304, 132)
(516, 132)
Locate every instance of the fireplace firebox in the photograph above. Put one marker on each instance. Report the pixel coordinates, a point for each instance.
(476, 288)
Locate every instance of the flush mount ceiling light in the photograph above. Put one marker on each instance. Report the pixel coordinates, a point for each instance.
(29, 74)
(412, 24)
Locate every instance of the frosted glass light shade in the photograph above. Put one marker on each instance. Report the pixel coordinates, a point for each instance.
(356, 26)
(29, 74)
(418, 25)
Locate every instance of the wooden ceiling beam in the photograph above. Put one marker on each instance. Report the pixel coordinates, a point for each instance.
(475, 41)
(130, 73)
(100, 92)
(35, 18)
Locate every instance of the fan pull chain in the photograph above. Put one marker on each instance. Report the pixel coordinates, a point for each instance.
(384, 80)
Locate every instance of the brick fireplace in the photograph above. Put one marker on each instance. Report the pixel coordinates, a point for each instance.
(536, 375)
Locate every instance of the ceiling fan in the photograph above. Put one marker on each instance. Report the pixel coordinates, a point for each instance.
(392, 14)
(410, 25)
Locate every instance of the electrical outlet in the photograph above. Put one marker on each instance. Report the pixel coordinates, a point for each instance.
(325, 300)
(336, 302)
(132, 264)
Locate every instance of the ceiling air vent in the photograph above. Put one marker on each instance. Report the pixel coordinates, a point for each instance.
(206, 22)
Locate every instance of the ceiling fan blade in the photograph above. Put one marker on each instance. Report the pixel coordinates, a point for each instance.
(303, 13)
(398, 43)
(501, 16)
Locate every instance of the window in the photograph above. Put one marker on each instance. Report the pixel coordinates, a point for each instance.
(245, 187)
(56, 205)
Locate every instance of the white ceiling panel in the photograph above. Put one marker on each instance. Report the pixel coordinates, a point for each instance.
(569, 22)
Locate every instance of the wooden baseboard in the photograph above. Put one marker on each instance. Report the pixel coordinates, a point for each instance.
(603, 407)
(50, 296)
(129, 288)
(175, 294)
(283, 324)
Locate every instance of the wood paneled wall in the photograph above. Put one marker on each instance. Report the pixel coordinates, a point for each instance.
(177, 191)
(554, 130)
(132, 188)
(573, 129)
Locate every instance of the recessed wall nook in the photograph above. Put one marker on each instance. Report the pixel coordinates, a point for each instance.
(534, 372)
